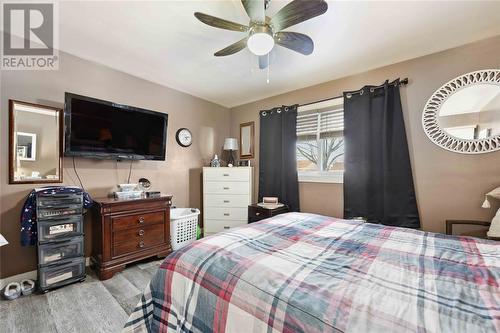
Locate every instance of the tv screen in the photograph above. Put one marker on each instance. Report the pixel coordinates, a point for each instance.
(100, 129)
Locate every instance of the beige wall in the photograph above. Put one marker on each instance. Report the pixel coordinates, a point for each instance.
(179, 175)
(448, 185)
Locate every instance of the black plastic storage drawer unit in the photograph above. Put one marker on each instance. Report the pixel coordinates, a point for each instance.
(62, 249)
(57, 205)
(60, 228)
(61, 273)
(61, 258)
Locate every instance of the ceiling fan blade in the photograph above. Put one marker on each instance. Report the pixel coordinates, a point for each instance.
(220, 23)
(294, 41)
(298, 11)
(263, 61)
(255, 10)
(233, 48)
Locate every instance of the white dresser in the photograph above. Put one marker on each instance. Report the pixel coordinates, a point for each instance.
(227, 192)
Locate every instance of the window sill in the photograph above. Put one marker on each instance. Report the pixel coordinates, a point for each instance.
(335, 177)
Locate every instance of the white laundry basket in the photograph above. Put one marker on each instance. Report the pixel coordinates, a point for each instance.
(183, 226)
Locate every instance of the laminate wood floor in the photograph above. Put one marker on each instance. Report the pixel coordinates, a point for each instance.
(89, 306)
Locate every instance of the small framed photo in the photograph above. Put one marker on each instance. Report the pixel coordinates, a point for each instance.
(244, 163)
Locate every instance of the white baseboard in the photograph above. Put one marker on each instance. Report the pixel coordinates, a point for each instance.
(32, 275)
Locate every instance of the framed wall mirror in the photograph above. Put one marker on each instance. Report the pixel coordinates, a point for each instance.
(247, 133)
(35, 143)
(463, 115)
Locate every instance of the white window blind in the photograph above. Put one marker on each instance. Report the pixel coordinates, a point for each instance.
(320, 142)
(320, 124)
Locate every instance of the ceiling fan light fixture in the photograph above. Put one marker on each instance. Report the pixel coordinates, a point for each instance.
(261, 41)
(262, 31)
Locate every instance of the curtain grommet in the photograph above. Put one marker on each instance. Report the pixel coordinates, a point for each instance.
(278, 110)
(362, 91)
(348, 95)
(372, 90)
(264, 113)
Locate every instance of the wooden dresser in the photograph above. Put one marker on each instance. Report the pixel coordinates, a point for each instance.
(227, 192)
(124, 231)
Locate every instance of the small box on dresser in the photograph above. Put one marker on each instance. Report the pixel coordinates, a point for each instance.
(128, 230)
(227, 192)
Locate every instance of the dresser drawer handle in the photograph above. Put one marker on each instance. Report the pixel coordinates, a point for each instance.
(141, 232)
(141, 220)
(141, 244)
(226, 188)
(226, 214)
(227, 227)
(226, 175)
(226, 201)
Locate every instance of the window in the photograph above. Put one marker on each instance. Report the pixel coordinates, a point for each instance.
(320, 142)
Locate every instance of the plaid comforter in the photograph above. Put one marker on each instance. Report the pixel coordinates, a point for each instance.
(309, 273)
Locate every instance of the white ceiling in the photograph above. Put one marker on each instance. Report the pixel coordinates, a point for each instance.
(161, 41)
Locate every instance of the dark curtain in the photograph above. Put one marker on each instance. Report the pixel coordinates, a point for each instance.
(277, 162)
(378, 182)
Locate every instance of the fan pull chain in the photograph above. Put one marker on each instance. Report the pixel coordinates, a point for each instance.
(268, 65)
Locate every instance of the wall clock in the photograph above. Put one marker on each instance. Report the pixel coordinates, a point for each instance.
(184, 137)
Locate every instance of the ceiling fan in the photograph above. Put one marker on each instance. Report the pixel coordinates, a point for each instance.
(263, 32)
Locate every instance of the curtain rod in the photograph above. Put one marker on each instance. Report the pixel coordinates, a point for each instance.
(402, 82)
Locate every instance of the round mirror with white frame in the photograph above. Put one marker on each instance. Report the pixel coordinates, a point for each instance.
(463, 115)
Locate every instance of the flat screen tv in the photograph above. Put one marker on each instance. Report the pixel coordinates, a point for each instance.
(100, 129)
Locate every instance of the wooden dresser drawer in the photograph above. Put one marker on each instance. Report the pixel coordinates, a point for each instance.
(257, 213)
(229, 213)
(137, 220)
(214, 226)
(226, 188)
(226, 200)
(145, 232)
(139, 244)
(227, 174)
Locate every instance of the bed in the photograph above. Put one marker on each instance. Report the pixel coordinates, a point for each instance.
(301, 272)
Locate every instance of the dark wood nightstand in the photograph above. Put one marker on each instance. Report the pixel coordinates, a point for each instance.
(257, 213)
(451, 223)
(128, 230)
